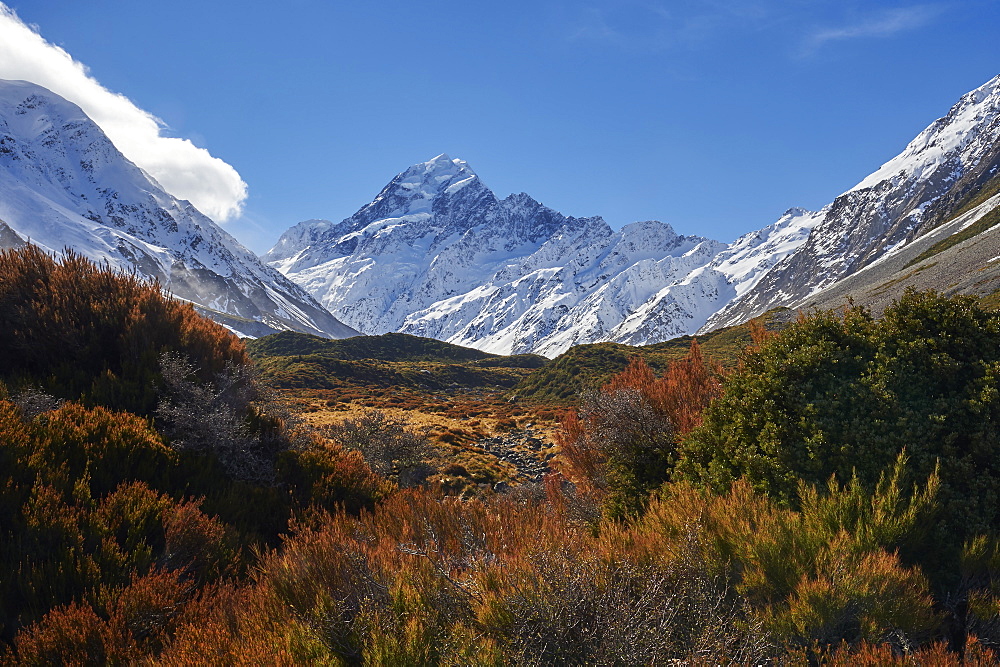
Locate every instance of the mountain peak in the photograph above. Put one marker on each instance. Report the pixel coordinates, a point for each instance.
(442, 166)
(416, 190)
(989, 88)
(444, 160)
(794, 212)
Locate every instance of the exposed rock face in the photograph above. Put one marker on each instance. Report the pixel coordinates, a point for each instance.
(437, 254)
(968, 263)
(906, 198)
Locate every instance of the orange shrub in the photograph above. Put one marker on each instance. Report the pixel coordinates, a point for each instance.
(143, 616)
(621, 444)
(90, 332)
(681, 393)
(67, 635)
(195, 543)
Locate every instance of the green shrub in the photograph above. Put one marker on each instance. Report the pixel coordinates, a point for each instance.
(845, 394)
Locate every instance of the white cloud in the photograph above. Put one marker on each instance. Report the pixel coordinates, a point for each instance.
(884, 24)
(652, 25)
(183, 169)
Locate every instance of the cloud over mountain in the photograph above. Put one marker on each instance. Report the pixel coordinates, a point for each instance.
(183, 169)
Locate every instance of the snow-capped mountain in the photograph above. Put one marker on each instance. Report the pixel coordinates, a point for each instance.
(908, 196)
(63, 184)
(437, 254)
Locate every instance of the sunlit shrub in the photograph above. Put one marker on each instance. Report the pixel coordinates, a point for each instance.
(67, 635)
(326, 581)
(970, 654)
(327, 476)
(226, 625)
(623, 440)
(858, 596)
(572, 610)
(88, 332)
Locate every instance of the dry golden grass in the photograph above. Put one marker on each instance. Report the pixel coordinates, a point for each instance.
(453, 422)
(481, 414)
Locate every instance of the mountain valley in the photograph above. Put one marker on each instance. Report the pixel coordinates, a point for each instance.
(460, 429)
(437, 254)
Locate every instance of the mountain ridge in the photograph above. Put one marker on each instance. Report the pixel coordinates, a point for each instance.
(393, 266)
(65, 185)
(908, 196)
(453, 261)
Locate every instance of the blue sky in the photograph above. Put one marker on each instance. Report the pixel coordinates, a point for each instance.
(714, 116)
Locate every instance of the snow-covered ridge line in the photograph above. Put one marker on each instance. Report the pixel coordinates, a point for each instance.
(900, 202)
(437, 254)
(63, 184)
(932, 147)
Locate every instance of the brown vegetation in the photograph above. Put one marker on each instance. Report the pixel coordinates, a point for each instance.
(621, 444)
(129, 534)
(78, 331)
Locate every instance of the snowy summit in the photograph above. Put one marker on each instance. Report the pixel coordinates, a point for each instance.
(437, 254)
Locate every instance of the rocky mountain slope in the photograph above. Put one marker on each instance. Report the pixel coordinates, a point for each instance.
(63, 184)
(912, 194)
(437, 254)
(961, 256)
